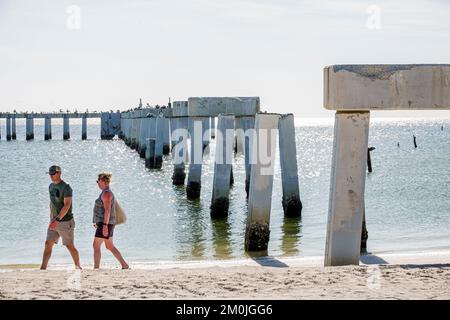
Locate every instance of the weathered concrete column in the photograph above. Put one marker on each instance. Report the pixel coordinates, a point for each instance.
(48, 128)
(222, 167)
(143, 135)
(13, 128)
(348, 175)
(206, 133)
(29, 128)
(292, 205)
(134, 132)
(166, 135)
(248, 127)
(107, 131)
(260, 199)
(150, 153)
(66, 128)
(179, 152)
(84, 128)
(195, 166)
(8, 128)
(213, 127)
(129, 129)
(159, 142)
(354, 90)
(138, 132)
(174, 124)
(239, 135)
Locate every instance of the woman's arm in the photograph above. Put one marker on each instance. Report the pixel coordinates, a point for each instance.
(107, 199)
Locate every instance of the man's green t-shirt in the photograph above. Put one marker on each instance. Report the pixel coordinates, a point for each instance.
(57, 194)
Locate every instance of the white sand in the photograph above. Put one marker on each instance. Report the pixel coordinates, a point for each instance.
(399, 276)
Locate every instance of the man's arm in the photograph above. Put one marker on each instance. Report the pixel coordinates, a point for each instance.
(65, 209)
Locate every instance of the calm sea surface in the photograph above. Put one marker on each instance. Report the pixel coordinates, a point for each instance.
(407, 196)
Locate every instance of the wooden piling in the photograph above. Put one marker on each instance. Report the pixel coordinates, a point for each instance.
(369, 160)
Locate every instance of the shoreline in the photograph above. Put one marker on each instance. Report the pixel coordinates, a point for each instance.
(435, 257)
(385, 276)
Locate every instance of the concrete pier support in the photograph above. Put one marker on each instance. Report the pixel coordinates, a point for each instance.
(48, 128)
(238, 132)
(213, 127)
(166, 135)
(143, 136)
(206, 133)
(196, 158)
(150, 153)
(179, 152)
(159, 142)
(8, 129)
(109, 125)
(83, 128)
(222, 168)
(29, 128)
(13, 128)
(248, 126)
(138, 133)
(66, 128)
(348, 174)
(292, 205)
(260, 198)
(174, 124)
(134, 132)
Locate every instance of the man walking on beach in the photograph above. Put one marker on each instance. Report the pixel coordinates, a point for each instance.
(62, 223)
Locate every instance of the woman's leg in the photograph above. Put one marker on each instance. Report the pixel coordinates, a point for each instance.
(110, 246)
(97, 252)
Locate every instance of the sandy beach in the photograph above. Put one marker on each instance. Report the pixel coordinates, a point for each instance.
(389, 276)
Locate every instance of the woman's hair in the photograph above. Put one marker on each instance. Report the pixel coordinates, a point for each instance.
(105, 177)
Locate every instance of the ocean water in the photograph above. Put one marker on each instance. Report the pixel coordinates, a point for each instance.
(407, 196)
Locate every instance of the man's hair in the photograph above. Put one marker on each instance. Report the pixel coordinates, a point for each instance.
(105, 176)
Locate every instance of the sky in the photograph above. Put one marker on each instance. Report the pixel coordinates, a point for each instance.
(106, 54)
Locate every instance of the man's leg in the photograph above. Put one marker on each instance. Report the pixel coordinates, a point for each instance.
(47, 253)
(110, 246)
(97, 252)
(75, 256)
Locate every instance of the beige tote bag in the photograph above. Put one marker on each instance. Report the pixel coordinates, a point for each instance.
(120, 214)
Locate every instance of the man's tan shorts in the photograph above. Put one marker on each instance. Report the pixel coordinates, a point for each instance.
(65, 230)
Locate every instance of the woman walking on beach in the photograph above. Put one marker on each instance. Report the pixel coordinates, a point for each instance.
(104, 221)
